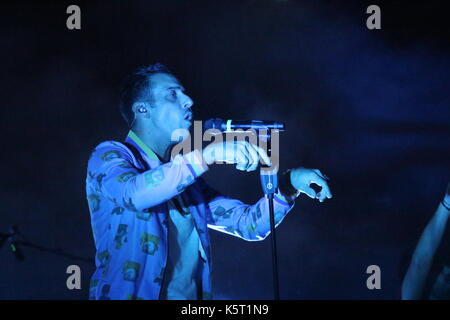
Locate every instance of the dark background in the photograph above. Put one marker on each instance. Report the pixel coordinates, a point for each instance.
(370, 108)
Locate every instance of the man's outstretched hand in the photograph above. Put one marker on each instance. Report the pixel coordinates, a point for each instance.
(302, 178)
(245, 155)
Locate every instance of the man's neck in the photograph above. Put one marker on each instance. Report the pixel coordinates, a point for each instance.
(155, 141)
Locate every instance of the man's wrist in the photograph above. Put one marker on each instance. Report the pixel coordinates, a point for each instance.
(286, 186)
(206, 155)
(196, 162)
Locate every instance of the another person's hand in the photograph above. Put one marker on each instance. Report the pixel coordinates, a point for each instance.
(245, 155)
(302, 178)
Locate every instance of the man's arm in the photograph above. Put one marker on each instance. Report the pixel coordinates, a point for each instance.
(249, 222)
(122, 182)
(252, 222)
(416, 276)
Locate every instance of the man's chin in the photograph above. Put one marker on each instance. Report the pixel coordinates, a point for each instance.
(187, 125)
(181, 133)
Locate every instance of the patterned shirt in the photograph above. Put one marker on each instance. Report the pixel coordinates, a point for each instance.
(128, 189)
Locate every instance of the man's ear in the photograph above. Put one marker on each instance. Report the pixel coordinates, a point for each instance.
(141, 109)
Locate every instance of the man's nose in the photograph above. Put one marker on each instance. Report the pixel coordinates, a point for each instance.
(187, 103)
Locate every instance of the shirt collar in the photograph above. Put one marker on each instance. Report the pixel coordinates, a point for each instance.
(142, 147)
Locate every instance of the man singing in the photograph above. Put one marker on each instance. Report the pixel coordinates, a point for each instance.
(150, 211)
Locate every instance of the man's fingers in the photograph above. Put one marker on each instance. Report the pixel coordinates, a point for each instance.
(262, 153)
(325, 192)
(248, 157)
(254, 157)
(309, 192)
(241, 158)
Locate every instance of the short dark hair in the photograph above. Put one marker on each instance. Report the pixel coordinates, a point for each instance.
(136, 87)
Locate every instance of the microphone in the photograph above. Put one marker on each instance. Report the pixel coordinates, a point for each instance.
(229, 125)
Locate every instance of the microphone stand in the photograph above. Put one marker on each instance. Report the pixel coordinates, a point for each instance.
(269, 183)
(11, 238)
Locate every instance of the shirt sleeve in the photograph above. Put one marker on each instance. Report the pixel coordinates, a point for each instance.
(123, 183)
(249, 222)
